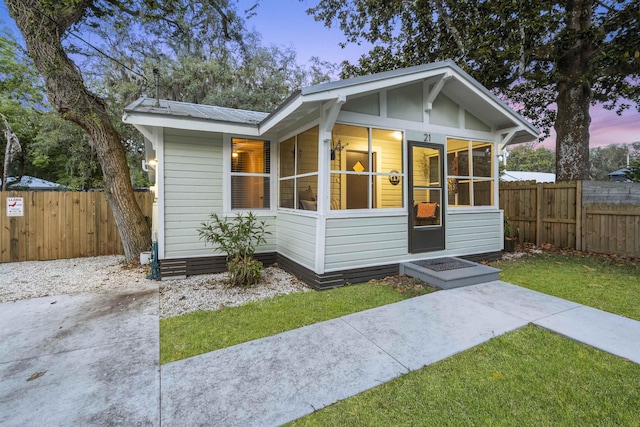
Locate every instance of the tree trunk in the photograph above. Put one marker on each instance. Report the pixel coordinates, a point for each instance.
(71, 99)
(574, 93)
(572, 130)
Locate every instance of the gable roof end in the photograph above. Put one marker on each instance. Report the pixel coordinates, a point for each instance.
(522, 130)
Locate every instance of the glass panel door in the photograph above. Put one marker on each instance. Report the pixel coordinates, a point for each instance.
(426, 227)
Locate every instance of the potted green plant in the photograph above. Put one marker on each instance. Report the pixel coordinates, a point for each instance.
(511, 233)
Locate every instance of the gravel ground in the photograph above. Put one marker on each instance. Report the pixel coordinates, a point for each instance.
(34, 279)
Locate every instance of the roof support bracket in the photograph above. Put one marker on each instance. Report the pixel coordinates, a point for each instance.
(330, 112)
(433, 94)
(508, 133)
(148, 133)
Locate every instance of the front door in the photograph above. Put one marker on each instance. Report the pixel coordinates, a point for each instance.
(426, 210)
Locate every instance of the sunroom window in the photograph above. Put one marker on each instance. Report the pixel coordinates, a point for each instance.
(250, 172)
(366, 168)
(299, 171)
(470, 176)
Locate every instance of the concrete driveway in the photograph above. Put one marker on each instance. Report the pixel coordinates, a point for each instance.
(90, 359)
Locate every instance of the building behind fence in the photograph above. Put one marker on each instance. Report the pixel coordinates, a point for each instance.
(56, 225)
(595, 216)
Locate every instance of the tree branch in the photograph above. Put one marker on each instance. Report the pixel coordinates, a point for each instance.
(147, 15)
(452, 28)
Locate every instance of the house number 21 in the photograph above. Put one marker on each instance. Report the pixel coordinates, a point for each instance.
(427, 137)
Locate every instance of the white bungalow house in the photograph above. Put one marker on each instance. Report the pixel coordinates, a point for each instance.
(353, 177)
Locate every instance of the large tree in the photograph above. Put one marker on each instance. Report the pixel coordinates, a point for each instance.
(550, 59)
(51, 148)
(203, 54)
(44, 24)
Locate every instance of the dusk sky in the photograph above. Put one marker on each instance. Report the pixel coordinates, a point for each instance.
(285, 23)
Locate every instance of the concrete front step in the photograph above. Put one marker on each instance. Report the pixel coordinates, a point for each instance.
(450, 272)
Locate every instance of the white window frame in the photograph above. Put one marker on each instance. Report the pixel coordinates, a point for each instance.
(371, 175)
(296, 176)
(227, 174)
(493, 179)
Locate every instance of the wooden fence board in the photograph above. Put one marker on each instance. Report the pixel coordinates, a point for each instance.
(565, 215)
(61, 225)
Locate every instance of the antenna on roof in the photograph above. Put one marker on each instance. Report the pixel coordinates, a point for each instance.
(156, 74)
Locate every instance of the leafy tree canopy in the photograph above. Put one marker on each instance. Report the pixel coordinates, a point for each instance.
(633, 173)
(526, 158)
(21, 100)
(605, 160)
(535, 54)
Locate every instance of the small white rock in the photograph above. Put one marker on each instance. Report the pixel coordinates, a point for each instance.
(105, 274)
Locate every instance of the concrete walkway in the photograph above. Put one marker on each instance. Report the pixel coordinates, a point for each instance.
(93, 359)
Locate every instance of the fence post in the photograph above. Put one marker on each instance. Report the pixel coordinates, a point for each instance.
(579, 222)
(14, 243)
(539, 198)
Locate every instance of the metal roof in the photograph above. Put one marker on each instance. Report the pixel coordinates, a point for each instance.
(33, 183)
(197, 111)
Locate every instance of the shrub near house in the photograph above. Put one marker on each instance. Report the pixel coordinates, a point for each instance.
(238, 239)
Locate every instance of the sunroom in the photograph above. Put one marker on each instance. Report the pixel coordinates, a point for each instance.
(353, 177)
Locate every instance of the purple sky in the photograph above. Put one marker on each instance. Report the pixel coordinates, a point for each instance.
(285, 23)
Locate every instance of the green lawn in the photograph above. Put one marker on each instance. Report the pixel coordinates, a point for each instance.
(530, 377)
(593, 281)
(203, 331)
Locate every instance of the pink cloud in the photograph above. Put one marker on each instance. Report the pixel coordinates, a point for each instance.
(607, 128)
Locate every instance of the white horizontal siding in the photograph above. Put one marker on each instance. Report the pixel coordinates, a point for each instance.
(369, 241)
(192, 188)
(296, 238)
(474, 232)
(355, 242)
(182, 241)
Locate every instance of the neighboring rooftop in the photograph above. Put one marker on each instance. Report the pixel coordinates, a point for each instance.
(619, 175)
(509, 176)
(33, 183)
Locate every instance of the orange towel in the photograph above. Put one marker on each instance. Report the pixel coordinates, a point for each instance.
(426, 210)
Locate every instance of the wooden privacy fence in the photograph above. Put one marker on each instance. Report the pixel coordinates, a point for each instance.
(592, 216)
(58, 225)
